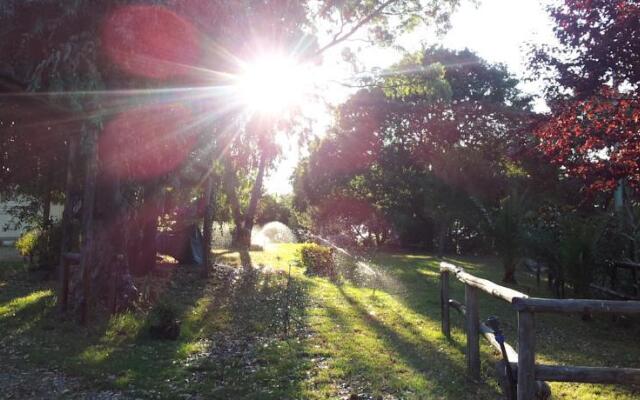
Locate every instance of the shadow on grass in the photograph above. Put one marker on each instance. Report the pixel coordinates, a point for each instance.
(232, 341)
(599, 342)
(442, 375)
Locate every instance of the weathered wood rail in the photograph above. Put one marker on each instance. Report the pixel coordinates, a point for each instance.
(530, 377)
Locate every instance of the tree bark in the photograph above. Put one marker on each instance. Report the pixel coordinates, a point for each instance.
(509, 270)
(207, 225)
(244, 222)
(88, 203)
(145, 249)
(65, 241)
(46, 208)
(442, 236)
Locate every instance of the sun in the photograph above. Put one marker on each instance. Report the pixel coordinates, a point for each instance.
(272, 84)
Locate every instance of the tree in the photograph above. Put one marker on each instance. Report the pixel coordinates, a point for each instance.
(593, 76)
(120, 76)
(444, 135)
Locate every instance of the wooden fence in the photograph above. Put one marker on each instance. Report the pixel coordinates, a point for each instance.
(530, 376)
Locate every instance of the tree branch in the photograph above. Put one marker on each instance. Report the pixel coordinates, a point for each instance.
(337, 39)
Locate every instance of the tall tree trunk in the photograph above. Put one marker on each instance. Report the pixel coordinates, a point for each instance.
(46, 207)
(442, 237)
(256, 194)
(146, 249)
(88, 203)
(241, 238)
(207, 225)
(509, 264)
(66, 231)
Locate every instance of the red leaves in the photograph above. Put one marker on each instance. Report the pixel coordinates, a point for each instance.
(150, 41)
(596, 139)
(146, 142)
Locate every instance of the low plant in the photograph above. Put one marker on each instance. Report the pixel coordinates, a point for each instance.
(163, 321)
(27, 243)
(42, 245)
(318, 260)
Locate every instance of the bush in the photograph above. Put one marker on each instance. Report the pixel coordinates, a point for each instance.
(41, 244)
(318, 260)
(27, 243)
(163, 322)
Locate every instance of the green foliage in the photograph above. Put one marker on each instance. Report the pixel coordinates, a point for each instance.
(317, 259)
(42, 245)
(27, 242)
(274, 208)
(163, 321)
(407, 160)
(506, 227)
(578, 252)
(577, 248)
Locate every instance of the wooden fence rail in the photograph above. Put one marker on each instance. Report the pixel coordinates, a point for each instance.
(530, 377)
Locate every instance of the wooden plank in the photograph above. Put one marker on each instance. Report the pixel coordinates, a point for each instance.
(472, 322)
(558, 373)
(444, 303)
(491, 288)
(526, 356)
(578, 306)
(485, 285)
(445, 266)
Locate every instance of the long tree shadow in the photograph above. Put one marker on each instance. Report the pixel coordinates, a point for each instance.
(258, 354)
(555, 334)
(419, 353)
(240, 334)
(117, 347)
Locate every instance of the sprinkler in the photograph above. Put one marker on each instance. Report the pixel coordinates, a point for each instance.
(494, 324)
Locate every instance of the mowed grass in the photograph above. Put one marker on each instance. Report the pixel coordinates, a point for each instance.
(265, 335)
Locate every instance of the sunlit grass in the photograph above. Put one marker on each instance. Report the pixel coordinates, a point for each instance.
(380, 338)
(14, 306)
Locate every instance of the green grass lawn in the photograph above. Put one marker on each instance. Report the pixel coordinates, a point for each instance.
(262, 335)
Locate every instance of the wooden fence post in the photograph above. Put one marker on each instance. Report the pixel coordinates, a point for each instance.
(473, 331)
(444, 303)
(526, 356)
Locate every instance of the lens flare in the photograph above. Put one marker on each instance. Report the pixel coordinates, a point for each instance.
(272, 84)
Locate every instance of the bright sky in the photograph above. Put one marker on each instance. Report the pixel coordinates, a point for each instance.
(497, 30)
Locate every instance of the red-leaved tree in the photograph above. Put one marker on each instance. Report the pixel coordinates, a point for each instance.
(594, 75)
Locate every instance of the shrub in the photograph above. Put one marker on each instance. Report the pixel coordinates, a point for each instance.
(318, 260)
(27, 243)
(41, 244)
(163, 322)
